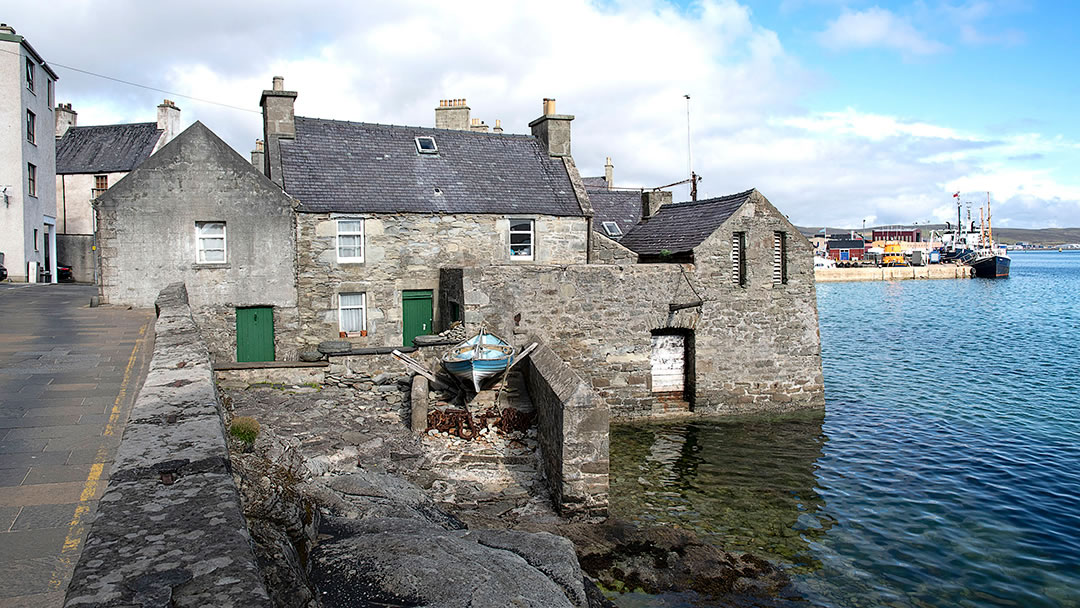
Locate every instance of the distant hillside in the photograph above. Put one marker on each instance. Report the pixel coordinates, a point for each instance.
(1008, 236)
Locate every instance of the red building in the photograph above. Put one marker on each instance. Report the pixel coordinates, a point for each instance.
(897, 233)
(846, 249)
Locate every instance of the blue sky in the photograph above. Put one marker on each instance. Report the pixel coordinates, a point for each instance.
(837, 110)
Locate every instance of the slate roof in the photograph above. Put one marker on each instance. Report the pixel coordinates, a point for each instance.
(680, 227)
(846, 244)
(105, 148)
(350, 167)
(620, 206)
(594, 182)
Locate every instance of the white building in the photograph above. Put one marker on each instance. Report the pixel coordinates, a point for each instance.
(27, 161)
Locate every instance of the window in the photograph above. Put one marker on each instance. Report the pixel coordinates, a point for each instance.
(29, 74)
(779, 259)
(352, 312)
(101, 184)
(350, 240)
(31, 126)
(35, 239)
(426, 145)
(31, 179)
(211, 242)
(738, 259)
(612, 229)
(521, 239)
(49, 85)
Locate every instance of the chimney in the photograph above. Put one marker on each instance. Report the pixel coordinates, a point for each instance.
(258, 156)
(6, 29)
(279, 122)
(65, 118)
(478, 125)
(609, 174)
(168, 120)
(498, 126)
(452, 114)
(553, 130)
(652, 200)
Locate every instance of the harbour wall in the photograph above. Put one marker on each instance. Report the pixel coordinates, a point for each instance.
(896, 273)
(170, 530)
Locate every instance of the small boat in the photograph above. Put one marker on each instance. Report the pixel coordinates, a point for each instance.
(990, 264)
(483, 356)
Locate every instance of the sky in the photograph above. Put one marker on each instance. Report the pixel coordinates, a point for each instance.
(839, 111)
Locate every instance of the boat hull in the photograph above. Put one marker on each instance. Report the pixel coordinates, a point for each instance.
(992, 267)
(479, 358)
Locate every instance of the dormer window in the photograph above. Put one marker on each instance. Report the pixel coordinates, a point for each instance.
(612, 229)
(426, 145)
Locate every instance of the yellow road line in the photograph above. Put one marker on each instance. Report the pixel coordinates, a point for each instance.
(75, 529)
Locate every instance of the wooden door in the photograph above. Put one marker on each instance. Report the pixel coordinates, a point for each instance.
(668, 360)
(255, 334)
(416, 314)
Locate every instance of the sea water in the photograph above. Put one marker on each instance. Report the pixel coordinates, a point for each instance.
(945, 470)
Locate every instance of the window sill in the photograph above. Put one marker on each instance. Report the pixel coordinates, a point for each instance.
(209, 266)
(521, 259)
(350, 260)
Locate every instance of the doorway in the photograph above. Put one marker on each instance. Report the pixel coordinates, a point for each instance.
(255, 334)
(417, 314)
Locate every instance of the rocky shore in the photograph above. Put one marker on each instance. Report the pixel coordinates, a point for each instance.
(347, 507)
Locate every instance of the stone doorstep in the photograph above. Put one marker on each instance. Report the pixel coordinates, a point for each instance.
(268, 365)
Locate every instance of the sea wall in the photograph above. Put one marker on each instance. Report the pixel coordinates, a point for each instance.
(573, 426)
(899, 273)
(170, 530)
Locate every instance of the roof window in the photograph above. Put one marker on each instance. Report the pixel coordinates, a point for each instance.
(612, 229)
(426, 145)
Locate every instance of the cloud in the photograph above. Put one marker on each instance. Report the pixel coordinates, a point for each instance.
(621, 68)
(877, 28)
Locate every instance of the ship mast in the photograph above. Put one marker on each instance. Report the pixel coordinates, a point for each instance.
(989, 226)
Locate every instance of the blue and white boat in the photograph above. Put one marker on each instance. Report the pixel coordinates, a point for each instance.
(483, 356)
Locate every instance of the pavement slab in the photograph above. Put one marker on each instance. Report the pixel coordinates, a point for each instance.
(68, 377)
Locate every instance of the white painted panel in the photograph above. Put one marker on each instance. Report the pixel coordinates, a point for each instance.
(668, 353)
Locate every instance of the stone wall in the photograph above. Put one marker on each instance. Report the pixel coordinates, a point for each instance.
(405, 252)
(169, 530)
(76, 251)
(609, 251)
(573, 433)
(147, 239)
(754, 348)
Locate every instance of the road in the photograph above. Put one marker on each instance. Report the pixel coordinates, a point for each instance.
(68, 377)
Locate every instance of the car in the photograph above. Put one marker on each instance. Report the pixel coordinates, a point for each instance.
(64, 275)
(3, 273)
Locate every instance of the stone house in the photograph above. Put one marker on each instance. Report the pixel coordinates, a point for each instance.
(89, 160)
(382, 208)
(198, 212)
(27, 161)
(718, 314)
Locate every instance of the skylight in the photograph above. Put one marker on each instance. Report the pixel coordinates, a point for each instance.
(612, 229)
(426, 145)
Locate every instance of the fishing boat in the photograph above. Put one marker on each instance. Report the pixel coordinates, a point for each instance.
(977, 248)
(483, 356)
(990, 263)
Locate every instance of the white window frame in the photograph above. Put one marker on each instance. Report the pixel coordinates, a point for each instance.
(200, 256)
(421, 150)
(612, 228)
(30, 75)
(362, 308)
(532, 238)
(31, 179)
(31, 127)
(337, 239)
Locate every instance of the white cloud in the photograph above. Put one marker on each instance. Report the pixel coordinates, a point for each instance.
(621, 68)
(877, 28)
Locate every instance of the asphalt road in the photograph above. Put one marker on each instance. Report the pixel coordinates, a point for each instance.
(68, 376)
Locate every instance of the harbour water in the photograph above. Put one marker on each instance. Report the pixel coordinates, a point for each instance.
(945, 470)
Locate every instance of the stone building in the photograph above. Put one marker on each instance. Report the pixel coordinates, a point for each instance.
(197, 212)
(720, 316)
(89, 160)
(382, 208)
(27, 161)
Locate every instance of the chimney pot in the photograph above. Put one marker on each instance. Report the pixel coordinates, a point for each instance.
(549, 106)
(7, 28)
(279, 83)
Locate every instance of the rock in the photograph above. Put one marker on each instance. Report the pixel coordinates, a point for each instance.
(389, 561)
(383, 378)
(311, 356)
(335, 347)
(431, 340)
(354, 437)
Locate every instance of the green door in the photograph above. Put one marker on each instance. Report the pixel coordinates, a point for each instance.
(416, 314)
(255, 334)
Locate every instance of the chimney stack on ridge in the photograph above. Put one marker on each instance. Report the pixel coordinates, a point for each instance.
(65, 118)
(553, 130)
(452, 114)
(168, 120)
(279, 122)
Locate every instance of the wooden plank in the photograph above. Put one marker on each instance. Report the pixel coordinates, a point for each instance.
(419, 368)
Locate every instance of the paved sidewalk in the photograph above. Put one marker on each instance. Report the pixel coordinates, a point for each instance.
(68, 376)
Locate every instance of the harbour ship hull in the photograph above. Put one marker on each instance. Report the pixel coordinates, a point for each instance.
(992, 266)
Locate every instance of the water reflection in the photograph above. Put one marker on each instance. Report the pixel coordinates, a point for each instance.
(749, 483)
